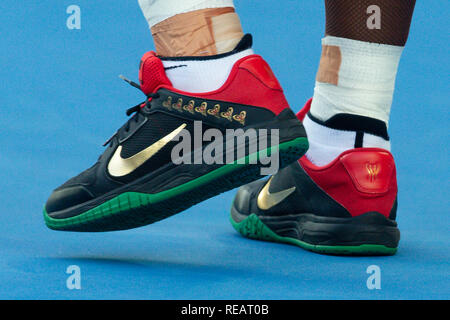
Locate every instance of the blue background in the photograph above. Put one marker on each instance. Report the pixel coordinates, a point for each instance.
(60, 99)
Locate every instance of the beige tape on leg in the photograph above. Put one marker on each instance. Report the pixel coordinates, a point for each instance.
(227, 31)
(198, 33)
(330, 63)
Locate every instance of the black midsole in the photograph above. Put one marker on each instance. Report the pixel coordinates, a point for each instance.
(368, 228)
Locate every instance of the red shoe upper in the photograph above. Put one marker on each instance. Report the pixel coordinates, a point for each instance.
(361, 180)
(251, 82)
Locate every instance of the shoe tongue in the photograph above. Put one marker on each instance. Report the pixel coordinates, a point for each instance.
(151, 73)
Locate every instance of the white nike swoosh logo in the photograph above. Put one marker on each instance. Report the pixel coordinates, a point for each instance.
(119, 166)
(267, 200)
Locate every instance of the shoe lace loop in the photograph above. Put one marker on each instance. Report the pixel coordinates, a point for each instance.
(136, 109)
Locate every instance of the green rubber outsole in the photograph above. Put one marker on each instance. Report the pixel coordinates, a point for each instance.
(252, 227)
(132, 209)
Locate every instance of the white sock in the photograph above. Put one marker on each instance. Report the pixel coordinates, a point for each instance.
(201, 74)
(325, 143)
(365, 80)
(360, 82)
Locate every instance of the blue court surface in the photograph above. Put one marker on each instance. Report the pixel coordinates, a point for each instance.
(61, 98)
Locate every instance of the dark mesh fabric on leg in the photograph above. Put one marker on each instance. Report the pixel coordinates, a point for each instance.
(348, 19)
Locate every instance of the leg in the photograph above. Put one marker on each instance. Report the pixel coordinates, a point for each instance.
(192, 27)
(346, 19)
(356, 77)
(341, 197)
(184, 31)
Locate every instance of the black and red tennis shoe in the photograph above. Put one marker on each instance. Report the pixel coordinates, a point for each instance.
(345, 207)
(135, 181)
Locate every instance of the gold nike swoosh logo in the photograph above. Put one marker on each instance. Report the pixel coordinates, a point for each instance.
(267, 200)
(119, 166)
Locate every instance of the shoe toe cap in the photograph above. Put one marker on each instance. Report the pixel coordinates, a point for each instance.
(65, 198)
(245, 196)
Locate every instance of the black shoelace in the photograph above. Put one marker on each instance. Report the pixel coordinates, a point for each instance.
(136, 109)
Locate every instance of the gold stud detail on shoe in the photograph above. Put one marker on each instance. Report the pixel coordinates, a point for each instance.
(202, 108)
(227, 114)
(179, 105)
(215, 111)
(240, 117)
(168, 103)
(189, 107)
